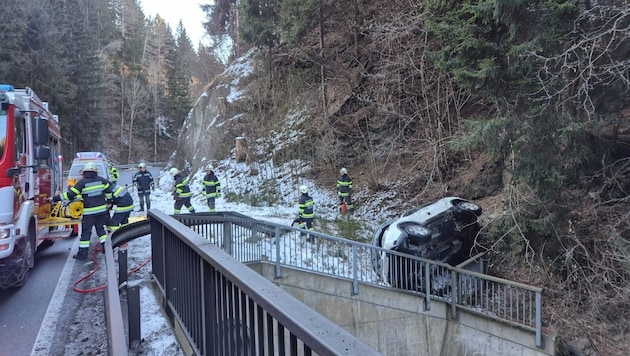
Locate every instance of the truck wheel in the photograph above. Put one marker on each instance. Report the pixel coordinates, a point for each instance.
(27, 261)
(45, 244)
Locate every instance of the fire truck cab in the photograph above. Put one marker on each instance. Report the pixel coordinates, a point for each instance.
(30, 173)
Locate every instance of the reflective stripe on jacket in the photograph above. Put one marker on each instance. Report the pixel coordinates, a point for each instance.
(92, 188)
(344, 185)
(121, 198)
(142, 181)
(212, 185)
(306, 207)
(182, 190)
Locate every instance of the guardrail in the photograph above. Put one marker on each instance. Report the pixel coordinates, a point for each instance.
(250, 240)
(225, 308)
(116, 341)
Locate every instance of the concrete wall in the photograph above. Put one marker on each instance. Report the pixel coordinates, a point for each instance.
(396, 323)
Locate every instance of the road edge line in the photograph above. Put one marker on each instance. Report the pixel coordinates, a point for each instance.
(47, 330)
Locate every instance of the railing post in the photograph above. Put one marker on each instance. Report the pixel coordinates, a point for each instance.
(227, 237)
(122, 266)
(454, 293)
(427, 286)
(277, 264)
(355, 277)
(539, 340)
(133, 313)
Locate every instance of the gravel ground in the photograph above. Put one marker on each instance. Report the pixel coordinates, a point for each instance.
(81, 325)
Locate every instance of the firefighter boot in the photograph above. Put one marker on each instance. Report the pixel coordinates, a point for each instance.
(141, 207)
(82, 254)
(148, 205)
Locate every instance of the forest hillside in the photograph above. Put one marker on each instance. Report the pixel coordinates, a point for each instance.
(522, 106)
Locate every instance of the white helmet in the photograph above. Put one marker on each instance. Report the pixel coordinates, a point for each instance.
(142, 165)
(90, 167)
(173, 172)
(343, 170)
(209, 167)
(303, 189)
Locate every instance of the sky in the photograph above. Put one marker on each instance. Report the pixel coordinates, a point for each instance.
(173, 11)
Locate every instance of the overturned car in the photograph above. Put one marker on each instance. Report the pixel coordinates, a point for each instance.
(442, 231)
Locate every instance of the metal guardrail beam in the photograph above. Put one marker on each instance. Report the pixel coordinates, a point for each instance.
(250, 240)
(226, 308)
(206, 289)
(117, 343)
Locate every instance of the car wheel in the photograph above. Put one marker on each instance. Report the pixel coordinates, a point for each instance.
(470, 207)
(418, 233)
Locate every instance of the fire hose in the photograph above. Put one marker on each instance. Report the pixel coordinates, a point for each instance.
(97, 249)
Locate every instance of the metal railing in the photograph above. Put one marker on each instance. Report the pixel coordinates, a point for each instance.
(250, 240)
(226, 308)
(116, 341)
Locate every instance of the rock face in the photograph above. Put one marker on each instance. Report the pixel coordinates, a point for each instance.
(216, 119)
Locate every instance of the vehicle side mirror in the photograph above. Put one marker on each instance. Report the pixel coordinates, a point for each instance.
(13, 172)
(42, 153)
(40, 131)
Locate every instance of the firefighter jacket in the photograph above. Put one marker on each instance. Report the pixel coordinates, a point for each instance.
(212, 186)
(344, 185)
(306, 207)
(182, 189)
(120, 197)
(143, 180)
(92, 188)
(113, 174)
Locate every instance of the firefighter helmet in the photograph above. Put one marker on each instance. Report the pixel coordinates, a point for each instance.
(90, 167)
(303, 189)
(142, 165)
(173, 172)
(343, 170)
(209, 167)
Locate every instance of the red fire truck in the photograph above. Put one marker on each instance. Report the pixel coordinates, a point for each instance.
(30, 172)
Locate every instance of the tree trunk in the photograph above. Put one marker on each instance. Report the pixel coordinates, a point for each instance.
(242, 150)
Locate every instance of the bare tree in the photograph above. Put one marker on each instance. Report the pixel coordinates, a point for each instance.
(597, 57)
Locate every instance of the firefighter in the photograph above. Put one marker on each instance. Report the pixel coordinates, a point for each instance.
(182, 192)
(123, 202)
(212, 187)
(113, 174)
(305, 211)
(143, 181)
(344, 190)
(93, 190)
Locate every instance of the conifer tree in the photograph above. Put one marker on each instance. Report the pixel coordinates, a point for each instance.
(180, 58)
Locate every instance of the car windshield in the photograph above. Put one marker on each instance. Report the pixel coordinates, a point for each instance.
(76, 168)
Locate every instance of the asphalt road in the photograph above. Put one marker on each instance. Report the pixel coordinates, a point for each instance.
(22, 310)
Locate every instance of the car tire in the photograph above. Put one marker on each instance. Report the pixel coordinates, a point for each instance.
(416, 232)
(470, 207)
